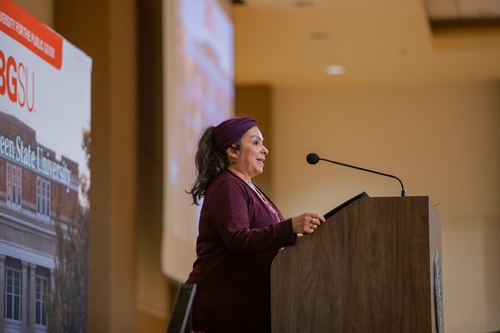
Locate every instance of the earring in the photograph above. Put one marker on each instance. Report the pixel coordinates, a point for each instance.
(233, 161)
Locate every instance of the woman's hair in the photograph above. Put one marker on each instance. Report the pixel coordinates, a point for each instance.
(210, 162)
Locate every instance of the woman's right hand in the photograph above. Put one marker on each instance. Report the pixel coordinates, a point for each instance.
(306, 223)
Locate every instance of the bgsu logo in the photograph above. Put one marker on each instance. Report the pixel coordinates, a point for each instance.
(17, 82)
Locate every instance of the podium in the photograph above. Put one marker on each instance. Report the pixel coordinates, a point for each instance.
(373, 266)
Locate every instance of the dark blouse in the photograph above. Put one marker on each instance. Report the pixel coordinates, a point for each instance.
(238, 238)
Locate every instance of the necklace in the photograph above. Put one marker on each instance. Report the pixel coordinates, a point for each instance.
(266, 202)
(261, 195)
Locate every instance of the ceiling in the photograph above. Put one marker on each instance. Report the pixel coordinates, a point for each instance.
(382, 42)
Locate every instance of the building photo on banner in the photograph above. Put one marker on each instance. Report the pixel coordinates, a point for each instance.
(45, 112)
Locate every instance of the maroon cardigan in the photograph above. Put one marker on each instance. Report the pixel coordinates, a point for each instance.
(238, 239)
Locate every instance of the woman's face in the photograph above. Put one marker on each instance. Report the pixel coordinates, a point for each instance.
(249, 159)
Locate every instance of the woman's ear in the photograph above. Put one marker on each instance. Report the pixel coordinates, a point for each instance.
(231, 152)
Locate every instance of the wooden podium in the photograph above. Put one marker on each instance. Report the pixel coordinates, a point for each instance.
(373, 266)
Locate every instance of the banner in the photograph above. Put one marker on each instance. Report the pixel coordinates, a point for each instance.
(45, 94)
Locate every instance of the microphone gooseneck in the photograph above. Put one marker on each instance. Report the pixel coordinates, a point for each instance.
(313, 158)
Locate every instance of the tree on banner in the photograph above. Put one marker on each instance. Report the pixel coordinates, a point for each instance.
(68, 301)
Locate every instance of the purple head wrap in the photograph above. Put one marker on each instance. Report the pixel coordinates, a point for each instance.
(230, 131)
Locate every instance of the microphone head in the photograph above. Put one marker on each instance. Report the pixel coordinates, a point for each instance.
(312, 158)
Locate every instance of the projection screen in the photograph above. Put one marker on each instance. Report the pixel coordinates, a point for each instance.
(198, 92)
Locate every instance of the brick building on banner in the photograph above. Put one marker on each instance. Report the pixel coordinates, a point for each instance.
(38, 189)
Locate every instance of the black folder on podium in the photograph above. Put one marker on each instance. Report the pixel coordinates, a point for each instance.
(345, 204)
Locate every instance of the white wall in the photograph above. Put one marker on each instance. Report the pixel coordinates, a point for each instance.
(442, 141)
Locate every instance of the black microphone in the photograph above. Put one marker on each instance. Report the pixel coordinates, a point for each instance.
(313, 158)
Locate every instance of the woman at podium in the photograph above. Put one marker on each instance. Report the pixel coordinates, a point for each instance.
(240, 231)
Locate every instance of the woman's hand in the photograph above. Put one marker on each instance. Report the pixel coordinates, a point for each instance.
(306, 223)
